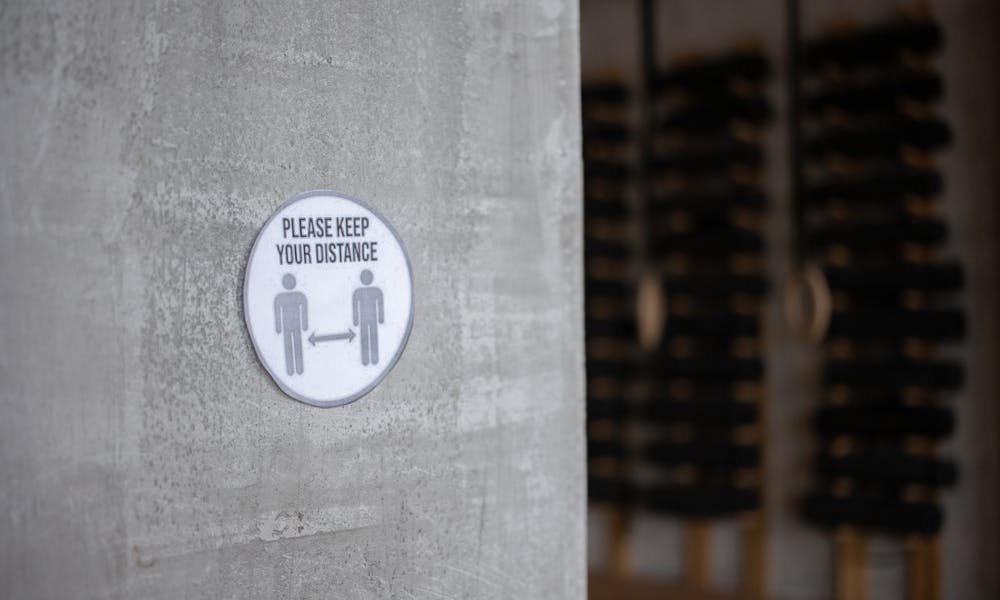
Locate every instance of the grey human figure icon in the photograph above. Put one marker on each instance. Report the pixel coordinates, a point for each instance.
(291, 317)
(369, 310)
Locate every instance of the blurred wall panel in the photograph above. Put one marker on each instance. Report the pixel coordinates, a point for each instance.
(800, 555)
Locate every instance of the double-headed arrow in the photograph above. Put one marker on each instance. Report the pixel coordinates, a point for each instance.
(349, 336)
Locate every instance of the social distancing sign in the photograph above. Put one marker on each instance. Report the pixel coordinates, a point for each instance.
(328, 298)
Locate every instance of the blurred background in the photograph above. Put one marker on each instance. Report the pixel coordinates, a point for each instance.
(791, 301)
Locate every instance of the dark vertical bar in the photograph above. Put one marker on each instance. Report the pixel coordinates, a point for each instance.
(794, 50)
(647, 36)
(647, 17)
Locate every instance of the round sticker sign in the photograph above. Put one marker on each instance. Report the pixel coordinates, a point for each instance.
(328, 298)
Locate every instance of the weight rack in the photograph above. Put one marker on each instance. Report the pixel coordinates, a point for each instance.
(705, 214)
(868, 216)
(609, 184)
(677, 427)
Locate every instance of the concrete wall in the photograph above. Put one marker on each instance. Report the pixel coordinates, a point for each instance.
(144, 452)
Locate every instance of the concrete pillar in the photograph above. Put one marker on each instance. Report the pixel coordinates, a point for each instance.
(144, 452)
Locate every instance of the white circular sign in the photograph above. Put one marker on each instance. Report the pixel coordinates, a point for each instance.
(328, 298)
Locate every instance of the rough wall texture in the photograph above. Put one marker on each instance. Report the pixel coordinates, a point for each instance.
(143, 451)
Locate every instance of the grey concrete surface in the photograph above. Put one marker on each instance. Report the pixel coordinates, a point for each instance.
(144, 452)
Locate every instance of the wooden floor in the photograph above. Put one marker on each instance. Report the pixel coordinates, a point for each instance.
(608, 587)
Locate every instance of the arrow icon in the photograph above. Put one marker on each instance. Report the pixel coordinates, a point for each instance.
(349, 336)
